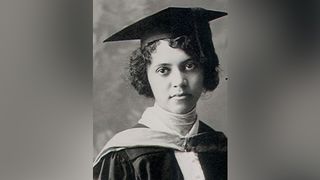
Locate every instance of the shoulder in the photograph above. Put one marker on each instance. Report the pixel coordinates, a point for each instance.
(132, 154)
(137, 139)
(140, 152)
(125, 138)
(203, 127)
(117, 161)
(216, 136)
(128, 159)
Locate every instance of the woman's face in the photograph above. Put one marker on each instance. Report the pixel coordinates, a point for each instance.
(176, 80)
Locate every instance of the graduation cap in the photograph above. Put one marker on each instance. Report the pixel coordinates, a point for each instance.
(170, 23)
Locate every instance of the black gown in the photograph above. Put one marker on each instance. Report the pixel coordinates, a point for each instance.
(159, 163)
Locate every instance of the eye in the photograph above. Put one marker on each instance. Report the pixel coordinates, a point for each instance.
(163, 70)
(190, 66)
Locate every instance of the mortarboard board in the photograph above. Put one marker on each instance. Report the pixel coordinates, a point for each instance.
(171, 23)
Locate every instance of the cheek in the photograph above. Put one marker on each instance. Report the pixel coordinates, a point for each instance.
(152, 79)
(197, 81)
(156, 83)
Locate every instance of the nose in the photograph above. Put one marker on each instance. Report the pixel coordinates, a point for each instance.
(178, 79)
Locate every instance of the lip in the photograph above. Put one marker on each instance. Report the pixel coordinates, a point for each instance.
(180, 96)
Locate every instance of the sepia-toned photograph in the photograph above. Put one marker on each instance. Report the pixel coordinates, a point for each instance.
(160, 90)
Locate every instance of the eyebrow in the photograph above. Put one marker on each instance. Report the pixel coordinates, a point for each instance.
(168, 64)
(163, 64)
(190, 59)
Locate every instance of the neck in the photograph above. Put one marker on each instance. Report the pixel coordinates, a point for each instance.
(159, 119)
(185, 118)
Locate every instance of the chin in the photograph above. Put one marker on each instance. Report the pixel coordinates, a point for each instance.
(180, 109)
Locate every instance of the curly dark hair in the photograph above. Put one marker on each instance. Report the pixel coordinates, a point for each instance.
(141, 58)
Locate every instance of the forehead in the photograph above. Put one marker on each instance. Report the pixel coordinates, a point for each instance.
(164, 54)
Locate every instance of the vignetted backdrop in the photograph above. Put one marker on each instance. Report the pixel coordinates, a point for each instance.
(117, 106)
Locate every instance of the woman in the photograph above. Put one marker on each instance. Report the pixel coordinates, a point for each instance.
(175, 64)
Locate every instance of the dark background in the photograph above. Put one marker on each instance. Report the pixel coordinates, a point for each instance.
(47, 73)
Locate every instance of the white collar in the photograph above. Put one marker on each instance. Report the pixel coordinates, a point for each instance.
(158, 119)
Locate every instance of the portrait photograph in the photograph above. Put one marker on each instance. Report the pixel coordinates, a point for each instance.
(160, 89)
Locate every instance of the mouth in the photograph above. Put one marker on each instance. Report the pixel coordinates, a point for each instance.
(180, 96)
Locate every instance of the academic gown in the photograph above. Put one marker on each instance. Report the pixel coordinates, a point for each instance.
(155, 159)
